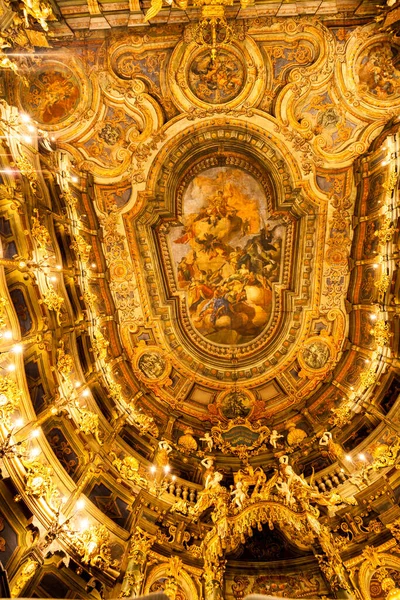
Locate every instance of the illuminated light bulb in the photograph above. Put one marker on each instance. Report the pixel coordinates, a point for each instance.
(74, 179)
(153, 469)
(53, 139)
(53, 278)
(25, 118)
(84, 524)
(375, 266)
(93, 265)
(31, 128)
(34, 453)
(58, 267)
(384, 163)
(27, 139)
(54, 410)
(11, 368)
(341, 470)
(348, 458)
(35, 433)
(167, 469)
(352, 387)
(173, 477)
(77, 384)
(17, 349)
(361, 456)
(80, 505)
(22, 264)
(64, 499)
(8, 171)
(367, 361)
(8, 335)
(19, 423)
(85, 393)
(373, 317)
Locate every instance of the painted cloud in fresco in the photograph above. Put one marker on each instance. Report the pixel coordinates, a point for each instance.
(227, 254)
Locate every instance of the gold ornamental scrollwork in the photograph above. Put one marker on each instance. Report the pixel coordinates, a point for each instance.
(88, 422)
(94, 548)
(381, 332)
(39, 232)
(53, 301)
(385, 231)
(65, 362)
(81, 248)
(39, 482)
(26, 573)
(128, 468)
(241, 438)
(10, 397)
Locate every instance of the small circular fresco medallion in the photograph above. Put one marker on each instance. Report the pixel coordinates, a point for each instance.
(218, 81)
(53, 94)
(316, 355)
(235, 404)
(378, 72)
(152, 365)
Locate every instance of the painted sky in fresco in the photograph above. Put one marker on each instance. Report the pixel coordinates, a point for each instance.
(227, 255)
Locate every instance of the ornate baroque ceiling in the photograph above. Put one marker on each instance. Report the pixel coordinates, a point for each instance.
(199, 284)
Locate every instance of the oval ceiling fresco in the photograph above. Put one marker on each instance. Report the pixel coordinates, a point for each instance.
(227, 255)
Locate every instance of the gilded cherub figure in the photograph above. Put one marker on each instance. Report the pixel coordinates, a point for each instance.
(274, 437)
(209, 441)
(284, 490)
(238, 494)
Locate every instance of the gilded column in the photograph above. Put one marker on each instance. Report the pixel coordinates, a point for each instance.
(214, 579)
(134, 574)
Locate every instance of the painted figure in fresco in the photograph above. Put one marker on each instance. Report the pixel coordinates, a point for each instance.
(52, 96)
(235, 404)
(229, 256)
(377, 73)
(152, 365)
(316, 355)
(329, 119)
(217, 80)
